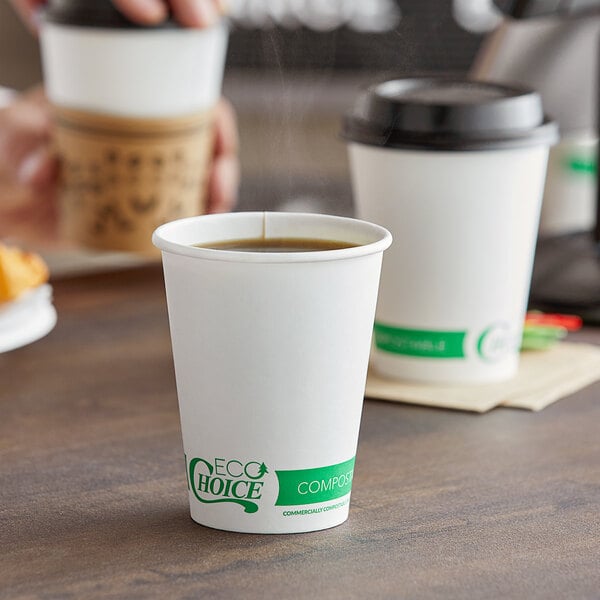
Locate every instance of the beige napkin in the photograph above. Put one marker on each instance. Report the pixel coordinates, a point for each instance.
(544, 377)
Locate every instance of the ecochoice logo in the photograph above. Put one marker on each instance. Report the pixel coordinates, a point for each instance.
(496, 342)
(221, 480)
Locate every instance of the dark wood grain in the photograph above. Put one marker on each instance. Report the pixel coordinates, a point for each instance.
(93, 500)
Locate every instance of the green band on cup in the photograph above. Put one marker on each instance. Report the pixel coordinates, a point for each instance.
(420, 342)
(310, 486)
(584, 165)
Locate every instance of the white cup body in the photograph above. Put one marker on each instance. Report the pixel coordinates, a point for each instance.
(454, 286)
(145, 73)
(271, 354)
(569, 204)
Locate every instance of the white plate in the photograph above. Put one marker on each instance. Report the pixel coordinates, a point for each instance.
(27, 319)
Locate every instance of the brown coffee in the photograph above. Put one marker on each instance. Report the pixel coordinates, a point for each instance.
(278, 245)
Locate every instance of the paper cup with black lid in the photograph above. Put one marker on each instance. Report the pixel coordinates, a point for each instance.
(455, 170)
(133, 113)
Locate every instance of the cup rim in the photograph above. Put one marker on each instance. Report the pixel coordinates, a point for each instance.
(380, 239)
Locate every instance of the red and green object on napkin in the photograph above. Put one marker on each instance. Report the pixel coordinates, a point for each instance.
(543, 330)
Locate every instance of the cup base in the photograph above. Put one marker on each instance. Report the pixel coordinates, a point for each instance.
(274, 527)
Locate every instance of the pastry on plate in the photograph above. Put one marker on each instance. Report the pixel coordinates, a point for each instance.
(20, 271)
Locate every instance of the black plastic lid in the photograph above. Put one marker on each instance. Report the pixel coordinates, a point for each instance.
(438, 113)
(93, 13)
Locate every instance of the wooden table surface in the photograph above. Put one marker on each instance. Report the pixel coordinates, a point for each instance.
(93, 500)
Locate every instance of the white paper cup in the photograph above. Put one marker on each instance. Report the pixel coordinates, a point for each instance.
(271, 354)
(569, 204)
(457, 175)
(134, 122)
(141, 73)
(455, 283)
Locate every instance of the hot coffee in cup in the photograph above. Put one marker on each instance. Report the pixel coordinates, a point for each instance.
(278, 244)
(271, 352)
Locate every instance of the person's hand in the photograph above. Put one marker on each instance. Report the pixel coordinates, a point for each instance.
(190, 13)
(28, 171)
(29, 168)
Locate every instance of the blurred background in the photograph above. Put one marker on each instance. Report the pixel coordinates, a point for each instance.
(293, 67)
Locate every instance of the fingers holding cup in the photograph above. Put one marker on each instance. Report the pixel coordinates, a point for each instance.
(189, 13)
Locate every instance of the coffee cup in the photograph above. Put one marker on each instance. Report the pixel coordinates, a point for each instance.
(133, 114)
(455, 170)
(271, 351)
